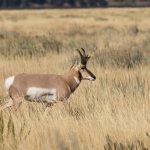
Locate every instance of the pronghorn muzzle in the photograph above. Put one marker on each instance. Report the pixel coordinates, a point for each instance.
(87, 75)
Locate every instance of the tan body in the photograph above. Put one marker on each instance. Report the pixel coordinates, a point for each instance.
(24, 82)
(64, 85)
(45, 88)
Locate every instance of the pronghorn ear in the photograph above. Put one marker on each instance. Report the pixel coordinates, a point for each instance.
(77, 65)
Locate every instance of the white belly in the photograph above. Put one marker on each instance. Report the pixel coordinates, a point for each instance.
(41, 94)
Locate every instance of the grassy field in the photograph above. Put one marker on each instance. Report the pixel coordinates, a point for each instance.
(112, 113)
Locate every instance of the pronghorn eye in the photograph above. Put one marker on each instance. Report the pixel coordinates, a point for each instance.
(82, 67)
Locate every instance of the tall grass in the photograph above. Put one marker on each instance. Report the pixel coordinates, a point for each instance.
(111, 113)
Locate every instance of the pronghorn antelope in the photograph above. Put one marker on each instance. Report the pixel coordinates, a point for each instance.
(47, 88)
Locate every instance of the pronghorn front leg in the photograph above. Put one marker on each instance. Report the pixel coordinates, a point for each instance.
(48, 107)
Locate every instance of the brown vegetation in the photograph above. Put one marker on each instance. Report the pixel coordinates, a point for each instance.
(110, 113)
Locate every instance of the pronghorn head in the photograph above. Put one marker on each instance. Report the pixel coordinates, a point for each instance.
(81, 66)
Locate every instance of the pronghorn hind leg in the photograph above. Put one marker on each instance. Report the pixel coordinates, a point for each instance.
(15, 96)
(16, 103)
(8, 104)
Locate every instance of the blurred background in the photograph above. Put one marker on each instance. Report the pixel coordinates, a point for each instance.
(71, 3)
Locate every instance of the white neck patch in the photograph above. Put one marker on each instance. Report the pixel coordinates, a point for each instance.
(69, 89)
(77, 80)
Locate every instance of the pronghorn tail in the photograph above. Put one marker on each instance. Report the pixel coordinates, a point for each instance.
(8, 82)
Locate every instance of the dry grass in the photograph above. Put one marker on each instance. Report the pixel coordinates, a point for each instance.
(110, 113)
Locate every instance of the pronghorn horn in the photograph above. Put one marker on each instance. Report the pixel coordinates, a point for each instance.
(84, 57)
(79, 53)
(83, 52)
(87, 56)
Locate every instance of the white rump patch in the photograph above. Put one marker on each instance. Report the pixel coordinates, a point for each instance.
(77, 80)
(43, 94)
(9, 81)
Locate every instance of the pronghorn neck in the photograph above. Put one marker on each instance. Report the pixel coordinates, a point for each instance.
(73, 78)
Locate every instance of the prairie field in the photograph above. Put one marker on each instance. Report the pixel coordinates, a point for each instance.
(111, 113)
